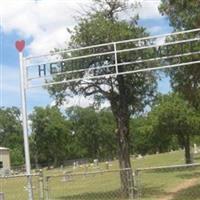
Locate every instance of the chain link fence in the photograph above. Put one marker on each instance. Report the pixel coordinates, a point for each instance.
(101, 185)
(15, 187)
(179, 182)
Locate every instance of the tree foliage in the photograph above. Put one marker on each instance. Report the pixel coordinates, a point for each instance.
(184, 14)
(50, 135)
(80, 133)
(172, 115)
(93, 133)
(147, 139)
(11, 134)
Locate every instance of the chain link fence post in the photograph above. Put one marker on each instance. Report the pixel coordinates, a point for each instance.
(131, 183)
(137, 184)
(41, 185)
(46, 187)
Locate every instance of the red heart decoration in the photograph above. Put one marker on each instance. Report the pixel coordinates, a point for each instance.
(20, 44)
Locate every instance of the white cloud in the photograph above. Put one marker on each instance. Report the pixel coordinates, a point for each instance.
(82, 102)
(46, 21)
(43, 21)
(148, 9)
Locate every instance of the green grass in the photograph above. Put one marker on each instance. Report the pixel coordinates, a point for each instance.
(153, 185)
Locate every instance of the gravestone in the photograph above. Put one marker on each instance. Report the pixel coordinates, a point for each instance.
(96, 162)
(74, 165)
(107, 165)
(195, 149)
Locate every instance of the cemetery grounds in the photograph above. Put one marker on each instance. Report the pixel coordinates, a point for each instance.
(90, 182)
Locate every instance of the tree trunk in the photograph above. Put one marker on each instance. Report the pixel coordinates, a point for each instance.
(123, 156)
(119, 106)
(55, 162)
(188, 157)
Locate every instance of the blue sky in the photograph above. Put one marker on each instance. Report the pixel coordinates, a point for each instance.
(38, 23)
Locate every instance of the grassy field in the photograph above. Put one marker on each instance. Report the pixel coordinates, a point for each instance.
(168, 184)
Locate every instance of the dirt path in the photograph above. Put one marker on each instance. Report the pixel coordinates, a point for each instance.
(184, 185)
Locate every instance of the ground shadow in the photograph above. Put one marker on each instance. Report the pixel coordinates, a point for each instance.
(151, 192)
(192, 192)
(146, 192)
(111, 195)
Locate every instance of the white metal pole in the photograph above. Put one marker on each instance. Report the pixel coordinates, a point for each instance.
(25, 124)
(116, 63)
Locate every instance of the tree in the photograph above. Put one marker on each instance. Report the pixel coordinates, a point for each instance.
(184, 14)
(108, 138)
(49, 135)
(86, 131)
(174, 116)
(93, 133)
(127, 94)
(11, 134)
(147, 139)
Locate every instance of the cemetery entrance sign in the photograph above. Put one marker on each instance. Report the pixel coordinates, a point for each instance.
(179, 49)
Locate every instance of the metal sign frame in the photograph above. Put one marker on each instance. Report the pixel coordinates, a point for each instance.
(140, 44)
(136, 46)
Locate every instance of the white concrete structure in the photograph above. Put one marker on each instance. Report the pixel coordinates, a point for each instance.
(4, 158)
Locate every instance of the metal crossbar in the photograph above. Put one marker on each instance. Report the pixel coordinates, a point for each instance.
(169, 167)
(114, 74)
(121, 64)
(116, 52)
(119, 42)
(93, 63)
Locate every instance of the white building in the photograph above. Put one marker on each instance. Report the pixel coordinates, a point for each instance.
(4, 158)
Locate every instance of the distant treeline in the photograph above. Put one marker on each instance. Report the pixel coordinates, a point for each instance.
(76, 133)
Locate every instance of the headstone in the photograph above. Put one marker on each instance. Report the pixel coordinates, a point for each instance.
(66, 176)
(107, 165)
(195, 149)
(96, 162)
(139, 156)
(85, 168)
(74, 165)
(77, 164)
(91, 164)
